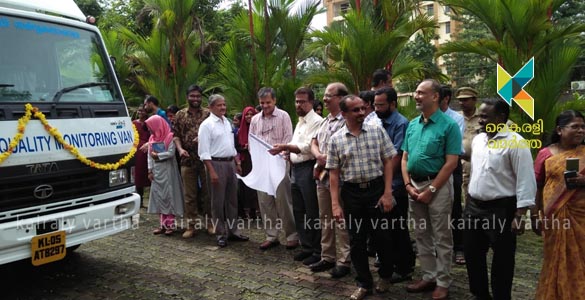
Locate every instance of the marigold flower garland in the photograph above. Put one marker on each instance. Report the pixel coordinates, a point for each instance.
(33, 111)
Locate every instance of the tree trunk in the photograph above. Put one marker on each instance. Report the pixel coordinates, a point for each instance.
(266, 39)
(253, 47)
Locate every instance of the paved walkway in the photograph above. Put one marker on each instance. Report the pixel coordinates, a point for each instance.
(138, 265)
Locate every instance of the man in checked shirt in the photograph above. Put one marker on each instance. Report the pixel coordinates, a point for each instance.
(360, 159)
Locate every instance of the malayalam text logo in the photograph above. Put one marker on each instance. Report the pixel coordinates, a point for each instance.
(512, 87)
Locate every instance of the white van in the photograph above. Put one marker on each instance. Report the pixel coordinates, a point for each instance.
(52, 59)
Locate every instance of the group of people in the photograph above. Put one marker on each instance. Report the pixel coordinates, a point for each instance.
(362, 176)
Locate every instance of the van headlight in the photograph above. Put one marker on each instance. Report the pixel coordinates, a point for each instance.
(118, 177)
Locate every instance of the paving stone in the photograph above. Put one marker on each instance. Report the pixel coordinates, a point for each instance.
(136, 264)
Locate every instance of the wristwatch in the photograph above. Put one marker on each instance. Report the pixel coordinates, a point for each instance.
(432, 189)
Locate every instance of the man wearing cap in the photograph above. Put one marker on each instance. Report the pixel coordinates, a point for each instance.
(431, 149)
(467, 99)
(216, 150)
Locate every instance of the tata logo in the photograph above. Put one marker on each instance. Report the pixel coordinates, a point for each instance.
(42, 168)
(43, 191)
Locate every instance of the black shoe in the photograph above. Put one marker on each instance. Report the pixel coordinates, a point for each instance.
(221, 242)
(238, 238)
(302, 255)
(339, 271)
(322, 266)
(313, 259)
(396, 278)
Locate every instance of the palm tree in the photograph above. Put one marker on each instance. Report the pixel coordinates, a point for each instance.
(271, 39)
(521, 30)
(294, 27)
(252, 46)
(168, 59)
(368, 39)
(121, 50)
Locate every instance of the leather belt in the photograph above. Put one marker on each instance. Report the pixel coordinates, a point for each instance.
(364, 185)
(222, 158)
(500, 202)
(423, 178)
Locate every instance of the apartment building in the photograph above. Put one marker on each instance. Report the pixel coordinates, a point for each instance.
(440, 13)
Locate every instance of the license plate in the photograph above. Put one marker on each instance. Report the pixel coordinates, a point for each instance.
(48, 248)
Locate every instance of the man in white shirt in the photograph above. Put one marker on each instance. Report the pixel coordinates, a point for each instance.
(303, 187)
(502, 187)
(216, 150)
(371, 116)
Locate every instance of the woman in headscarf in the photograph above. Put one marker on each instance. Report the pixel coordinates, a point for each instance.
(166, 190)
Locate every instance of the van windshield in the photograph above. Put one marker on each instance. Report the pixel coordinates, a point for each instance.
(47, 62)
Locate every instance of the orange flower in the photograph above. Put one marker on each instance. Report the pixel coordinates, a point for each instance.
(23, 121)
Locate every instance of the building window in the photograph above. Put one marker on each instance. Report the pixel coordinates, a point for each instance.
(430, 11)
(341, 9)
(447, 10)
(344, 7)
(448, 27)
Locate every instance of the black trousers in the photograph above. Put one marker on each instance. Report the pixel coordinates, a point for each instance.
(403, 257)
(363, 217)
(306, 207)
(456, 210)
(483, 231)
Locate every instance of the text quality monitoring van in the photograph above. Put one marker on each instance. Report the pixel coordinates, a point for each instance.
(66, 140)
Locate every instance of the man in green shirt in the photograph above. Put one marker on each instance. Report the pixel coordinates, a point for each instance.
(431, 150)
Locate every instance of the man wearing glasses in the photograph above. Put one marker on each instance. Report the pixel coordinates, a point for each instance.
(303, 188)
(273, 126)
(319, 147)
(431, 150)
(360, 164)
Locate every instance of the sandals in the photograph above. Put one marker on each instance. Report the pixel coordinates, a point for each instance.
(158, 231)
(460, 258)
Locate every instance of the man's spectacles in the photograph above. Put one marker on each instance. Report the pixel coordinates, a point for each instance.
(329, 96)
(464, 99)
(358, 109)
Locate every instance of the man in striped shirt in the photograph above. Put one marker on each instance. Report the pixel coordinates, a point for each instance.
(274, 126)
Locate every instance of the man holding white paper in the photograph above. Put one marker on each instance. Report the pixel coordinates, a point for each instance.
(273, 126)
